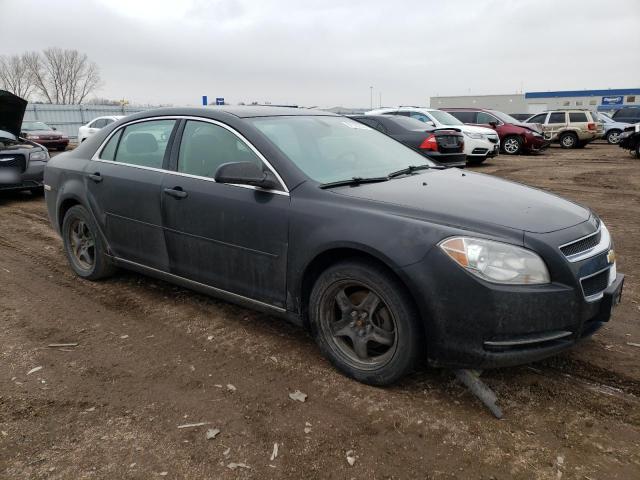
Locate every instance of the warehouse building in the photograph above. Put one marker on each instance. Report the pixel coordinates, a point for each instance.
(608, 100)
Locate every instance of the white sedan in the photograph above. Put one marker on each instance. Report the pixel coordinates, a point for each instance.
(85, 131)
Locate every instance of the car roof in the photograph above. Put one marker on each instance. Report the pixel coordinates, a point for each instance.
(238, 111)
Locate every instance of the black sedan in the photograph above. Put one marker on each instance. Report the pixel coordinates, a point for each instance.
(383, 255)
(444, 145)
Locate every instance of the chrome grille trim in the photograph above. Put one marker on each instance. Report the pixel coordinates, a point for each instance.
(603, 245)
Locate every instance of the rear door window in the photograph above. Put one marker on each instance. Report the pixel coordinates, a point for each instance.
(145, 143)
(578, 117)
(205, 146)
(465, 117)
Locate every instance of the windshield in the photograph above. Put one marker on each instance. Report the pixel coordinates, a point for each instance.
(444, 117)
(31, 126)
(329, 149)
(504, 117)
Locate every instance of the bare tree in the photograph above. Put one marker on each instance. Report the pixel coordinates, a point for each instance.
(63, 76)
(15, 75)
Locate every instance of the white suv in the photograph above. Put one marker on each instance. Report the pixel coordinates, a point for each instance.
(85, 131)
(480, 143)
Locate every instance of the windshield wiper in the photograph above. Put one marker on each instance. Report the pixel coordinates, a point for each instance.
(354, 181)
(414, 168)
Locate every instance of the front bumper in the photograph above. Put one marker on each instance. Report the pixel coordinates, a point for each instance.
(471, 323)
(480, 147)
(535, 144)
(32, 177)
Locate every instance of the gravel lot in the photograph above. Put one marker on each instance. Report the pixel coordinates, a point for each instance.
(152, 357)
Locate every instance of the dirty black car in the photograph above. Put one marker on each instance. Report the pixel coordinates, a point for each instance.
(315, 217)
(629, 139)
(22, 161)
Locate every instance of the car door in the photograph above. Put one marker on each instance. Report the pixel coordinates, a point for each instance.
(556, 123)
(230, 237)
(124, 181)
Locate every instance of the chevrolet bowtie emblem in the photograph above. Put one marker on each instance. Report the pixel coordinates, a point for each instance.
(611, 256)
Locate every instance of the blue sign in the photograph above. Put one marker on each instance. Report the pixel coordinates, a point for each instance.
(205, 101)
(613, 100)
(219, 101)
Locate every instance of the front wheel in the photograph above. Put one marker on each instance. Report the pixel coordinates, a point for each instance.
(512, 145)
(86, 252)
(364, 321)
(613, 137)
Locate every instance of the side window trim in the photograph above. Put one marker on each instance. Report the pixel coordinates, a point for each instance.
(168, 165)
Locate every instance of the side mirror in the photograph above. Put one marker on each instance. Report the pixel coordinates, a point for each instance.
(246, 173)
(430, 123)
(493, 124)
(54, 128)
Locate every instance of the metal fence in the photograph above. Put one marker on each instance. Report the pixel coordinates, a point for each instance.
(68, 118)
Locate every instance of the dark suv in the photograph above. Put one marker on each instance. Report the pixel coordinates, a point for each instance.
(314, 217)
(627, 114)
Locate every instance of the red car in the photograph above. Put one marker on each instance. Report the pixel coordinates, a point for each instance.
(515, 137)
(44, 135)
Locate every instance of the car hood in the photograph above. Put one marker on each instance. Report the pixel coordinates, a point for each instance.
(12, 110)
(536, 127)
(474, 129)
(468, 199)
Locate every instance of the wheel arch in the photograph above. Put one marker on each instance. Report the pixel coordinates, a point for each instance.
(325, 259)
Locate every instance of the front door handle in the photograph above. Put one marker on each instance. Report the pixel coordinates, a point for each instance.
(176, 192)
(96, 177)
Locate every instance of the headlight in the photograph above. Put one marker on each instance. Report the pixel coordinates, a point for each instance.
(42, 156)
(33, 137)
(497, 262)
(477, 136)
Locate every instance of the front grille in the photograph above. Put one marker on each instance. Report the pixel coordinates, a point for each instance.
(596, 284)
(13, 160)
(581, 245)
(479, 151)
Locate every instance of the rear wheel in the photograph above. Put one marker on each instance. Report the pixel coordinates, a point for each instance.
(83, 245)
(364, 322)
(568, 140)
(512, 145)
(613, 136)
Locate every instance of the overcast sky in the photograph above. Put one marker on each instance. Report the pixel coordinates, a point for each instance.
(329, 52)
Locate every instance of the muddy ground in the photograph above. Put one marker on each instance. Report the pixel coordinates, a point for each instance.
(152, 357)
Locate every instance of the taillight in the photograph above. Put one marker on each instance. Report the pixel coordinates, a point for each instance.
(430, 143)
(591, 126)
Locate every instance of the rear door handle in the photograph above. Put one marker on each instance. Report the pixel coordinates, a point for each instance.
(176, 192)
(96, 177)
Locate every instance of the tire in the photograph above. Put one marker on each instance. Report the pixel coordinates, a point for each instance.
(568, 140)
(475, 160)
(512, 145)
(613, 136)
(62, 149)
(83, 245)
(355, 305)
(638, 150)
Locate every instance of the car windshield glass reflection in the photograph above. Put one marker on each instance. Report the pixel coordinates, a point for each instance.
(329, 149)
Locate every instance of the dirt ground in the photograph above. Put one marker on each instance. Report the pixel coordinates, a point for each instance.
(152, 357)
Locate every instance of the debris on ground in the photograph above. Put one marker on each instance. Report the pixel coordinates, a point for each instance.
(298, 395)
(274, 454)
(631, 344)
(212, 433)
(233, 465)
(34, 370)
(231, 388)
(351, 459)
(124, 336)
(192, 425)
(62, 345)
(307, 427)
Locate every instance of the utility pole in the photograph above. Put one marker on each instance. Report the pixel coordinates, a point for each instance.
(380, 104)
(371, 92)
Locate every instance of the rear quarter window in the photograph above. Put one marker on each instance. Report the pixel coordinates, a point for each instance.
(578, 117)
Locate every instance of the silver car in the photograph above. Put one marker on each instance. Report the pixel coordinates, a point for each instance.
(612, 129)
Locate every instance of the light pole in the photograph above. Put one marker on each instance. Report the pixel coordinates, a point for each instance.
(371, 92)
